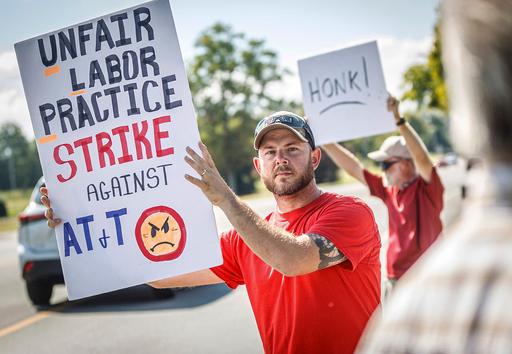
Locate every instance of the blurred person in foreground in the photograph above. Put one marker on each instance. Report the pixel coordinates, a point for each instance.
(457, 298)
(311, 267)
(410, 188)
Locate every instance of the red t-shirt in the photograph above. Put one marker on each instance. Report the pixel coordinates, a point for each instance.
(324, 311)
(414, 219)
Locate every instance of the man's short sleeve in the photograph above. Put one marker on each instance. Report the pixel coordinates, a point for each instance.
(229, 271)
(349, 224)
(375, 184)
(435, 190)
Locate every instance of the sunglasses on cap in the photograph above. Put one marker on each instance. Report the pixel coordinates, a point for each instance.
(294, 122)
(386, 165)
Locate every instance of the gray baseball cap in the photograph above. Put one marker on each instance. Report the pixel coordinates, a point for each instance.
(283, 119)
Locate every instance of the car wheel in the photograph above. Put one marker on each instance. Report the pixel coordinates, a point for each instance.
(39, 292)
(163, 293)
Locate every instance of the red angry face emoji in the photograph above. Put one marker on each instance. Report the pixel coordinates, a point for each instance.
(160, 233)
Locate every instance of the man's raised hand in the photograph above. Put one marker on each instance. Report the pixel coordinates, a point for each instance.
(211, 182)
(393, 105)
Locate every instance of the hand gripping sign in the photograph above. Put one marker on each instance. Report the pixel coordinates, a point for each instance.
(345, 95)
(112, 114)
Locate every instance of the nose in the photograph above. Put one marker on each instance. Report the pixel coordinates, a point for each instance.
(281, 158)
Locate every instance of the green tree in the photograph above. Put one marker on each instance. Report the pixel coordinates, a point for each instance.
(425, 85)
(424, 82)
(19, 162)
(432, 125)
(33, 165)
(229, 79)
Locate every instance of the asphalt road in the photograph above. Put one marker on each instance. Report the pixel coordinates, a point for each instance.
(211, 319)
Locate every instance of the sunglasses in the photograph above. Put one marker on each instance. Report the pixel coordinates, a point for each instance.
(291, 121)
(386, 165)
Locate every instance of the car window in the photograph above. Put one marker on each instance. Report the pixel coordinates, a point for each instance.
(36, 194)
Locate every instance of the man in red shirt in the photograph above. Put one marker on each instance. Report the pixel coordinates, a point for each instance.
(413, 192)
(311, 267)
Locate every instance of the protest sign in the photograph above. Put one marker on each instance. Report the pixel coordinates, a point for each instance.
(112, 114)
(345, 94)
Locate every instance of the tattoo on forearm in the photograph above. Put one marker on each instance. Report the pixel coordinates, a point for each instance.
(329, 254)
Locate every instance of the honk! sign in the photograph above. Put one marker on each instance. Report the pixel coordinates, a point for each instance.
(345, 95)
(112, 114)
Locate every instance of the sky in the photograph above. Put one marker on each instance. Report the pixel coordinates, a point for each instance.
(295, 29)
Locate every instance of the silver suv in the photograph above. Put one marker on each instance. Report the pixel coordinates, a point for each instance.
(39, 256)
(37, 251)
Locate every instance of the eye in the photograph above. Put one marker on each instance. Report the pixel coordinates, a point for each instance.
(154, 229)
(165, 226)
(292, 149)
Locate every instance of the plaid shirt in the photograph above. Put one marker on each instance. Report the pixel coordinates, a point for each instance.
(458, 298)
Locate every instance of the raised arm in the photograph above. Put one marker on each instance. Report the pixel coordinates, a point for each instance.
(345, 160)
(414, 143)
(287, 253)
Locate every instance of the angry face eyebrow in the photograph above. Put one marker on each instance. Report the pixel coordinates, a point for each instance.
(165, 226)
(153, 226)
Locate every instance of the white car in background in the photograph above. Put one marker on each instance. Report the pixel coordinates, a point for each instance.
(39, 256)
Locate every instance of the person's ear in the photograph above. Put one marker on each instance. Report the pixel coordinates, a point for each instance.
(316, 156)
(256, 161)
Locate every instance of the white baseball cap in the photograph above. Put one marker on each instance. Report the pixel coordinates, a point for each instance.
(393, 146)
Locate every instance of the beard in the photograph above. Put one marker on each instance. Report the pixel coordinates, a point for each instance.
(292, 187)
